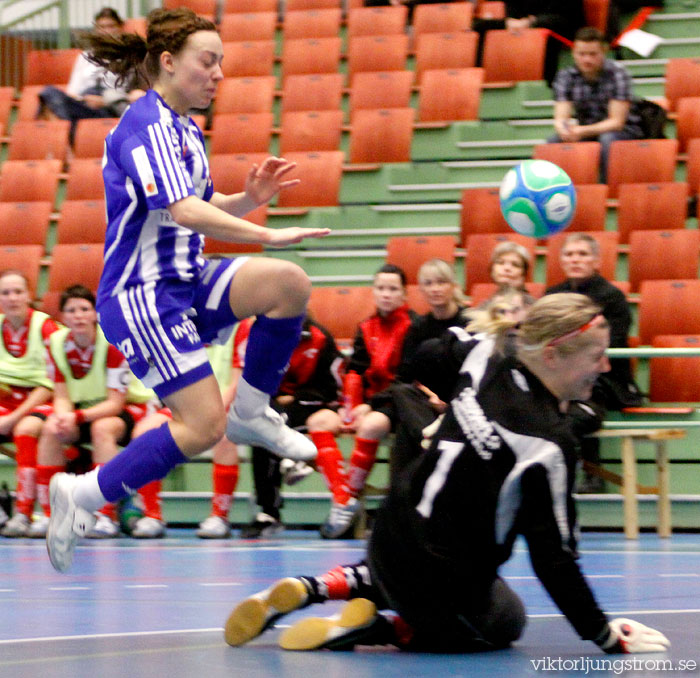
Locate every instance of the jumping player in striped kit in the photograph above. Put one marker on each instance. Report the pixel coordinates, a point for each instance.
(159, 301)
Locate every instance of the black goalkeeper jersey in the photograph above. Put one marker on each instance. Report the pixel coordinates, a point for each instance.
(501, 464)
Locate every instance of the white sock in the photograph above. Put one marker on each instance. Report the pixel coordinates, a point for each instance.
(250, 401)
(87, 492)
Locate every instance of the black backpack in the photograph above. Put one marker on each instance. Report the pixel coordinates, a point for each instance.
(652, 118)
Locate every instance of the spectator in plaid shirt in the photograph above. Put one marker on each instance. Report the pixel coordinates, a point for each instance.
(593, 98)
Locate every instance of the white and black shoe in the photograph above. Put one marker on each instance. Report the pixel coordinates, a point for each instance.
(340, 523)
(264, 525)
(68, 523)
(269, 430)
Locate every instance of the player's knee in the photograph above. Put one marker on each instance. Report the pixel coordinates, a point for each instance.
(295, 286)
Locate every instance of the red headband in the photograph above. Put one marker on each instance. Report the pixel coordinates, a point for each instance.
(595, 320)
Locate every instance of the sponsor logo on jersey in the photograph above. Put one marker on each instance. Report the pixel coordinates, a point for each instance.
(474, 424)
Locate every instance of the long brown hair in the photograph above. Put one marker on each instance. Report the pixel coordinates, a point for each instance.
(130, 57)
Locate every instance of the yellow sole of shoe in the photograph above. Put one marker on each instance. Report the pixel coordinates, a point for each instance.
(248, 619)
(314, 632)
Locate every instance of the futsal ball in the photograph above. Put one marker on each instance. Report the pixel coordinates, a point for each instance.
(538, 198)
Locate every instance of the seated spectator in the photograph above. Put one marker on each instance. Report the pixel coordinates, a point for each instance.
(510, 263)
(308, 398)
(25, 390)
(89, 406)
(593, 98)
(92, 92)
(377, 352)
(580, 260)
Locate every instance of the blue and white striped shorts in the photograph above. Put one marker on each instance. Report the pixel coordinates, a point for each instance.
(161, 327)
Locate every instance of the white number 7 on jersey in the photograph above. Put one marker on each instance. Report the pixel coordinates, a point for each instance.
(449, 450)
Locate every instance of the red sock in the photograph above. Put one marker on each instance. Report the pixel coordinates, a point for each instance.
(361, 463)
(336, 583)
(150, 495)
(225, 479)
(26, 473)
(43, 478)
(329, 462)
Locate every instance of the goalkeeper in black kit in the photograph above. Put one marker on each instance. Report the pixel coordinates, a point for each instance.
(501, 464)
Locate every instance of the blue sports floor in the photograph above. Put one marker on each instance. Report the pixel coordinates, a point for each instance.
(133, 609)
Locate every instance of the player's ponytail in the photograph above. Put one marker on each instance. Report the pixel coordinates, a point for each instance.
(128, 55)
(122, 55)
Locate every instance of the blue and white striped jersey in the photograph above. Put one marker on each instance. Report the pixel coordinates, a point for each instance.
(152, 159)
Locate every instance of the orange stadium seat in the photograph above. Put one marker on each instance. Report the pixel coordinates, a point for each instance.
(310, 55)
(6, 96)
(591, 208)
(514, 57)
(294, 5)
(356, 303)
(198, 6)
(73, 264)
(233, 6)
(682, 79)
(39, 140)
(608, 243)
(675, 380)
(312, 23)
(246, 26)
(23, 258)
(481, 213)
(29, 180)
(376, 53)
(416, 299)
(381, 135)
(380, 20)
(581, 161)
(254, 57)
(450, 94)
(229, 172)
(411, 252)
(29, 102)
(663, 255)
(81, 221)
(651, 206)
(668, 307)
(445, 50)
(311, 131)
(24, 223)
(138, 25)
(692, 167)
(445, 17)
(85, 180)
(50, 66)
(641, 161)
(687, 121)
(241, 132)
(321, 173)
(381, 89)
(251, 94)
(596, 14)
(312, 92)
(90, 135)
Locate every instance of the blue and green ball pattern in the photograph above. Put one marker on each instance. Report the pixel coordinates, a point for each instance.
(537, 198)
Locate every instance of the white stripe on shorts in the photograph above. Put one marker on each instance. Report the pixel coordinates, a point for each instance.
(221, 285)
(139, 316)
